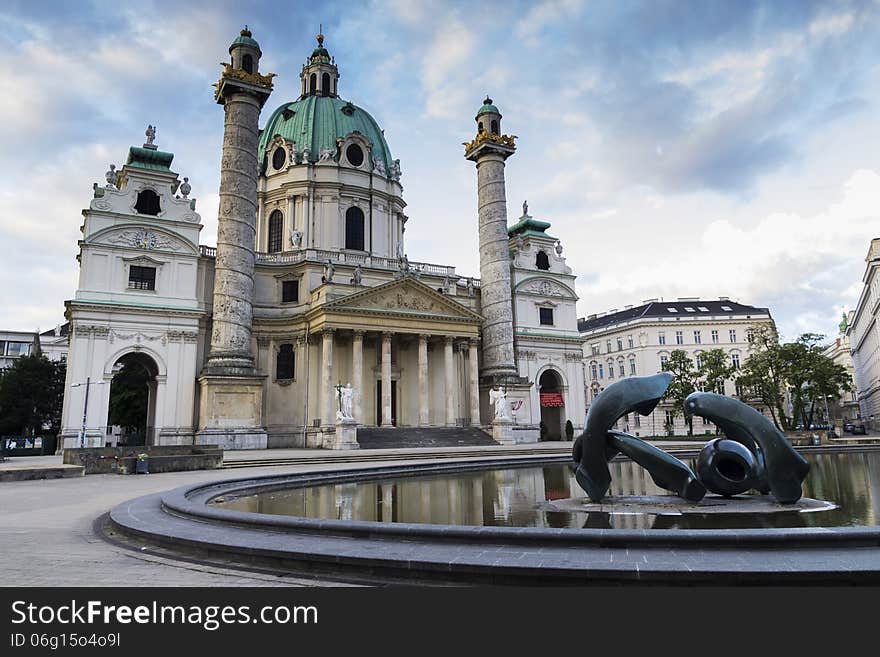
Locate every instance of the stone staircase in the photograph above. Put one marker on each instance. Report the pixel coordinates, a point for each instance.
(409, 437)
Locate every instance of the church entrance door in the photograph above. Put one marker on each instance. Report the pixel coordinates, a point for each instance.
(379, 403)
(552, 406)
(132, 405)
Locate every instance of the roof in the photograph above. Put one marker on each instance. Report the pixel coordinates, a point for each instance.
(148, 158)
(658, 309)
(488, 107)
(245, 39)
(528, 225)
(318, 121)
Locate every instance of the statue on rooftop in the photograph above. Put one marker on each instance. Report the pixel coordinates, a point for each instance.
(185, 187)
(111, 176)
(150, 134)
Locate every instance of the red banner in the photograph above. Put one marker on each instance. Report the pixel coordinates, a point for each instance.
(552, 399)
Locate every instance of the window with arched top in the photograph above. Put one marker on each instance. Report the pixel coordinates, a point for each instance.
(480, 127)
(147, 202)
(354, 229)
(494, 127)
(542, 261)
(276, 224)
(313, 83)
(247, 63)
(325, 84)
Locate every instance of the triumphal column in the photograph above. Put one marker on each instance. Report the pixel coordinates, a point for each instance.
(489, 149)
(231, 390)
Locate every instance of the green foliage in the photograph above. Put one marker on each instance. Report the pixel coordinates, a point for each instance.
(569, 430)
(684, 382)
(31, 395)
(128, 398)
(799, 367)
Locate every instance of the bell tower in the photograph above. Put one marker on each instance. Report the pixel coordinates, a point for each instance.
(319, 74)
(489, 149)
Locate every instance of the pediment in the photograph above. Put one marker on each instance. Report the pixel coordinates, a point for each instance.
(147, 238)
(545, 287)
(404, 297)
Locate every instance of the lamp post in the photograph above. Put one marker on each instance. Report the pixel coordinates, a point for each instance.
(82, 433)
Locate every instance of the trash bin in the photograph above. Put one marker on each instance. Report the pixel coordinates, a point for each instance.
(143, 464)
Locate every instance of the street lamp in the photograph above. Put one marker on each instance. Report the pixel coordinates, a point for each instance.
(82, 433)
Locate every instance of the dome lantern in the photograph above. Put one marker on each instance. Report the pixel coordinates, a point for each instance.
(488, 118)
(245, 52)
(319, 74)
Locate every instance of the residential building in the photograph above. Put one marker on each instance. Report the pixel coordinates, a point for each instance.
(846, 406)
(864, 341)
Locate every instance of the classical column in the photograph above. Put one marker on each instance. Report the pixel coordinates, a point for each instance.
(424, 416)
(328, 408)
(450, 379)
(489, 150)
(474, 383)
(386, 379)
(357, 373)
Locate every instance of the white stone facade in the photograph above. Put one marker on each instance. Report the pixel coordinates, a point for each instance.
(864, 340)
(845, 407)
(634, 342)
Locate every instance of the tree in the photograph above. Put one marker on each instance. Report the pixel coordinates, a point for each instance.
(31, 395)
(684, 381)
(715, 369)
(763, 375)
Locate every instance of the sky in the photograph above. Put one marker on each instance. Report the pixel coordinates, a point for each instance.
(678, 148)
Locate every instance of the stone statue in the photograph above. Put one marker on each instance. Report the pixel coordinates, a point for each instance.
(470, 287)
(57, 330)
(558, 248)
(306, 154)
(326, 155)
(395, 170)
(379, 165)
(294, 154)
(400, 250)
(446, 282)
(329, 270)
(295, 238)
(151, 135)
(498, 399)
(346, 402)
(185, 187)
(357, 275)
(519, 242)
(112, 176)
(525, 209)
(752, 446)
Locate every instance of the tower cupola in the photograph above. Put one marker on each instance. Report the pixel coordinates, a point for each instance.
(245, 52)
(488, 118)
(319, 74)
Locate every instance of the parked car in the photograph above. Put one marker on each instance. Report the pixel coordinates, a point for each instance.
(859, 429)
(848, 427)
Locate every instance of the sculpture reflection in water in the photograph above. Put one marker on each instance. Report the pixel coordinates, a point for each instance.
(753, 454)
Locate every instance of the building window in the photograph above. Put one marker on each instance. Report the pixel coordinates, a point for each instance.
(714, 337)
(313, 83)
(720, 386)
(697, 338)
(698, 360)
(494, 127)
(734, 360)
(542, 261)
(661, 338)
(619, 344)
(610, 370)
(632, 366)
(732, 333)
(355, 155)
(284, 363)
(247, 63)
(593, 371)
(289, 291)
(141, 278)
(594, 349)
(147, 202)
(706, 422)
(279, 157)
(276, 225)
(621, 369)
(546, 316)
(608, 345)
(670, 421)
(750, 335)
(354, 229)
(601, 372)
(663, 359)
(18, 348)
(679, 337)
(637, 421)
(739, 390)
(629, 341)
(325, 84)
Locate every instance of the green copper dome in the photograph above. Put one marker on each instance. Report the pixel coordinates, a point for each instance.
(245, 39)
(317, 121)
(488, 107)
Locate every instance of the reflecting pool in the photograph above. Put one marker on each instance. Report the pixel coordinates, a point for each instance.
(522, 497)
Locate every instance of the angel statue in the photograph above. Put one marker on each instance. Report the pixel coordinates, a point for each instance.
(379, 165)
(150, 133)
(112, 176)
(329, 269)
(296, 237)
(498, 399)
(326, 155)
(395, 169)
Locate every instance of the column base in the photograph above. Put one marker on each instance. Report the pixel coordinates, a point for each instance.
(231, 412)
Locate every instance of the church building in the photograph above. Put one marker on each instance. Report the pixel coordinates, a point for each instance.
(310, 288)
